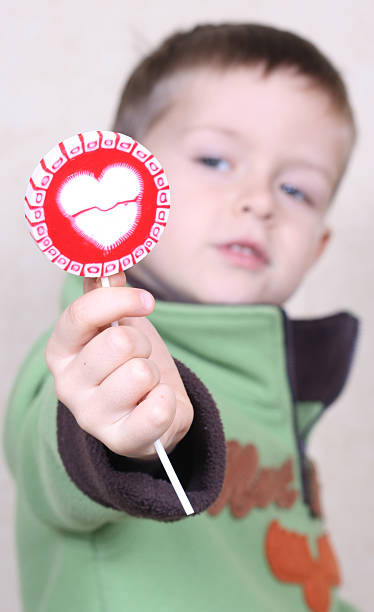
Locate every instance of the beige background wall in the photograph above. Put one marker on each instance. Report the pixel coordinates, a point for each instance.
(62, 64)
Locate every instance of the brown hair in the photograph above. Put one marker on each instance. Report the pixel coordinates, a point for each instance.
(146, 93)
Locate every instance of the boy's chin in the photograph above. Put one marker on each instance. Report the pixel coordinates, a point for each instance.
(237, 288)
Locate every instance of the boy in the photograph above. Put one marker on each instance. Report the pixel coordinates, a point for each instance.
(254, 130)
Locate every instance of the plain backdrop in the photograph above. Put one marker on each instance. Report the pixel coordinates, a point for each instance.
(62, 66)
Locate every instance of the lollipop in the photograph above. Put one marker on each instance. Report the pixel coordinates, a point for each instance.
(96, 204)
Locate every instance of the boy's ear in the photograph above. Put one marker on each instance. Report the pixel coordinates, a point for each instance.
(323, 242)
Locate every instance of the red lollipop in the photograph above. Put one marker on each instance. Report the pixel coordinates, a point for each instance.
(96, 204)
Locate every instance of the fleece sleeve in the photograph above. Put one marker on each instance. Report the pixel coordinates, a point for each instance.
(72, 481)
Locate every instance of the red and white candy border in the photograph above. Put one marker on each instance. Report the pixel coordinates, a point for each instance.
(55, 159)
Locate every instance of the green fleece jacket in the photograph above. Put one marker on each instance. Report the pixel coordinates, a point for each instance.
(100, 533)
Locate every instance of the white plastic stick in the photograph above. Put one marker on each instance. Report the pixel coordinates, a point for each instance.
(105, 282)
(161, 451)
(173, 478)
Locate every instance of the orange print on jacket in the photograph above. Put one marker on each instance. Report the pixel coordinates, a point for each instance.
(290, 560)
(247, 486)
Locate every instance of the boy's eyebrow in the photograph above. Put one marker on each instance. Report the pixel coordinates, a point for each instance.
(313, 166)
(226, 131)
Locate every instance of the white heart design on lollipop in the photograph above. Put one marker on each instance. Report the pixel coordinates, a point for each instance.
(104, 210)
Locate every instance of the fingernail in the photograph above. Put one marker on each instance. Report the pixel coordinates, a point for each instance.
(147, 299)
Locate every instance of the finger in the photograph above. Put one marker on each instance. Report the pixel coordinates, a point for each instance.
(116, 346)
(97, 410)
(126, 387)
(92, 312)
(134, 435)
(117, 280)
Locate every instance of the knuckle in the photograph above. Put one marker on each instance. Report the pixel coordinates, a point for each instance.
(162, 411)
(85, 417)
(61, 384)
(187, 419)
(77, 312)
(83, 420)
(120, 341)
(161, 416)
(142, 372)
(64, 392)
(144, 341)
(184, 428)
(114, 443)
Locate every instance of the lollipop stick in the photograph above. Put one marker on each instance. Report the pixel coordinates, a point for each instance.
(173, 478)
(105, 282)
(161, 451)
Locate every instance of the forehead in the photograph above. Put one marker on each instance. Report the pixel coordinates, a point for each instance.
(281, 108)
(216, 90)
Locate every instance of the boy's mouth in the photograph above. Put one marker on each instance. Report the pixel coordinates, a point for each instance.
(245, 254)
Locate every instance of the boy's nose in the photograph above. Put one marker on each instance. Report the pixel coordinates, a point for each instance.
(258, 203)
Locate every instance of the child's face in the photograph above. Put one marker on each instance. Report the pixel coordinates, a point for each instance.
(253, 162)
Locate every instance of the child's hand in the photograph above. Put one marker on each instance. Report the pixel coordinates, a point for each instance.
(120, 383)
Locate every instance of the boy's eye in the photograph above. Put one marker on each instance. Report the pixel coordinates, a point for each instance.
(294, 192)
(214, 162)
